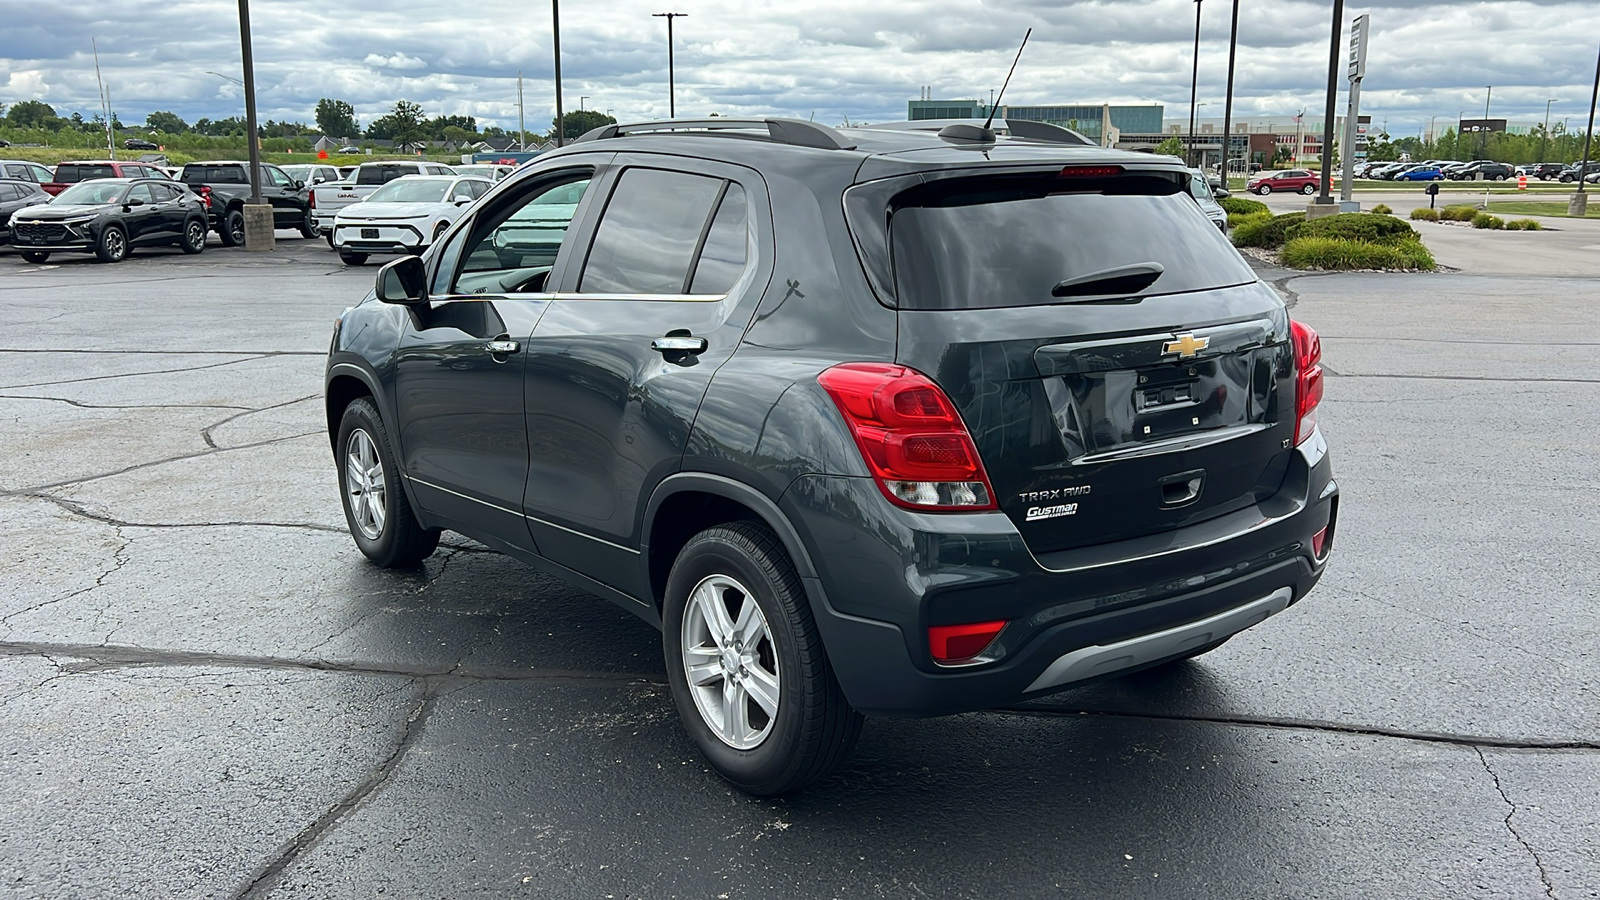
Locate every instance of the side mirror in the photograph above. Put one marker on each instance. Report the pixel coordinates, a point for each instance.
(299, 185)
(403, 281)
(464, 201)
(1223, 193)
(134, 201)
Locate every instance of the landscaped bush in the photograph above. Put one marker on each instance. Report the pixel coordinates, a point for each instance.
(1373, 229)
(1424, 215)
(1237, 219)
(1382, 209)
(1243, 206)
(1266, 233)
(1486, 221)
(1342, 253)
(1458, 213)
(1524, 225)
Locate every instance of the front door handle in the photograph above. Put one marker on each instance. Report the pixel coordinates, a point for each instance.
(499, 347)
(679, 343)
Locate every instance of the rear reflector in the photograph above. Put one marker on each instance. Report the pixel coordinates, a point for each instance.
(956, 643)
(1319, 543)
(1090, 171)
(910, 435)
(1308, 379)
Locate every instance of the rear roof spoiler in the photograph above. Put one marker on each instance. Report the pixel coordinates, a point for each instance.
(795, 132)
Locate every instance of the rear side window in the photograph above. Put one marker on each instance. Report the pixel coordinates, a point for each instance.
(986, 243)
(652, 227)
(727, 246)
(193, 174)
(72, 174)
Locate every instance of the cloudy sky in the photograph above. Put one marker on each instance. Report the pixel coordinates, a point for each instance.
(830, 58)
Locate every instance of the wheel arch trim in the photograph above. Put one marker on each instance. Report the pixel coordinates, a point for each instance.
(739, 492)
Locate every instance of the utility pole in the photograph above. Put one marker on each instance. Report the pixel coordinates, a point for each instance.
(522, 117)
(1227, 109)
(672, 86)
(1194, 82)
(258, 224)
(1579, 205)
(1323, 205)
(555, 29)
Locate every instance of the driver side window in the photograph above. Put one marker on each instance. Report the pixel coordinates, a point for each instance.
(512, 247)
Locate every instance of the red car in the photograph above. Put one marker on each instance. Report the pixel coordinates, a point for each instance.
(1291, 180)
(70, 173)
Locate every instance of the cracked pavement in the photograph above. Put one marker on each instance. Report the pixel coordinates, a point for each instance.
(206, 692)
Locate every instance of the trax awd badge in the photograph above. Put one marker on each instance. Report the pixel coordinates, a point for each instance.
(1186, 345)
(1035, 513)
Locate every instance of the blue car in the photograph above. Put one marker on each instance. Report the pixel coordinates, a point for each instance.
(1421, 173)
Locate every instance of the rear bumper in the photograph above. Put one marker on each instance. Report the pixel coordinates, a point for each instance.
(1072, 616)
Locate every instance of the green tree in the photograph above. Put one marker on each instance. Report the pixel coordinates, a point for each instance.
(337, 118)
(166, 122)
(456, 134)
(436, 126)
(404, 124)
(32, 114)
(579, 121)
(1172, 146)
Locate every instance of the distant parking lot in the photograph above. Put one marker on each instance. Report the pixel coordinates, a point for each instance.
(205, 691)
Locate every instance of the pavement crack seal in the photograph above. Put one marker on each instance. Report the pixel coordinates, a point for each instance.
(1473, 742)
(206, 432)
(85, 479)
(410, 730)
(119, 559)
(231, 362)
(78, 509)
(81, 405)
(1511, 810)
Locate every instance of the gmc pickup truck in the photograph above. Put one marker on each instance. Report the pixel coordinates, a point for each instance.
(328, 199)
(225, 186)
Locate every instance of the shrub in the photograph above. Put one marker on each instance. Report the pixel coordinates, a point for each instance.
(1237, 219)
(1266, 233)
(1486, 221)
(1424, 215)
(1458, 213)
(1243, 206)
(1524, 225)
(1382, 209)
(1367, 227)
(1342, 253)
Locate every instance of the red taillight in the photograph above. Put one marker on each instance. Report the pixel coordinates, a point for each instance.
(205, 194)
(910, 435)
(1090, 171)
(1308, 379)
(957, 643)
(312, 195)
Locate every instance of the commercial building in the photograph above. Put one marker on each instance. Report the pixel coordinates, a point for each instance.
(1103, 123)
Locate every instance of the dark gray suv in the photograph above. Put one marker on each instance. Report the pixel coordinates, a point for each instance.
(870, 421)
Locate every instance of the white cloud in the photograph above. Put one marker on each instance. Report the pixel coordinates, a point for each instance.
(397, 61)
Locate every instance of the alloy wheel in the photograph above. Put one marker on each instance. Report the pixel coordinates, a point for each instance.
(195, 234)
(730, 662)
(116, 244)
(363, 484)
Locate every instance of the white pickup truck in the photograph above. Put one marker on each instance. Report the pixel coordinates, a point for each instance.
(328, 199)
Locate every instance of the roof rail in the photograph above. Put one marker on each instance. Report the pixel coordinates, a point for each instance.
(964, 131)
(796, 132)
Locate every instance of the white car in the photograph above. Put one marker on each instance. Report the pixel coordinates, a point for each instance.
(493, 172)
(404, 216)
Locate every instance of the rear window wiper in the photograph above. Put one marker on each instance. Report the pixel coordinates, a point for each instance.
(1120, 280)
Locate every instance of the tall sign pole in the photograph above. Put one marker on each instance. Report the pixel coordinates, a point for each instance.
(258, 224)
(1355, 70)
(1580, 201)
(1325, 199)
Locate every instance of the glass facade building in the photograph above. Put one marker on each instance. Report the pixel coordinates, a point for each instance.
(1089, 120)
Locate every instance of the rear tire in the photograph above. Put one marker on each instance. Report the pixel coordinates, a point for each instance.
(194, 236)
(308, 226)
(35, 256)
(769, 650)
(232, 228)
(329, 238)
(1308, 190)
(112, 246)
(1264, 190)
(376, 510)
(351, 258)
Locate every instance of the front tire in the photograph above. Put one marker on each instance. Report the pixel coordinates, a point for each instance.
(35, 256)
(438, 231)
(376, 510)
(112, 246)
(746, 664)
(194, 236)
(1264, 190)
(351, 258)
(232, 230)
(1308, 190)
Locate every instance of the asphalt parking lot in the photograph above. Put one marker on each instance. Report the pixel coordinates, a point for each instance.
(205, 690)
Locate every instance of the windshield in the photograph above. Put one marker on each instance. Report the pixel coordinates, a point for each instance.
(1200, 188)
(89, 193)
(985, 243)
(408, 190)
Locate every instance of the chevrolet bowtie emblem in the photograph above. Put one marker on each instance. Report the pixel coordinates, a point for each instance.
(1185, 346)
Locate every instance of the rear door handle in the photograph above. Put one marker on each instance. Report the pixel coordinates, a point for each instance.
(674, 343)
(498, 347)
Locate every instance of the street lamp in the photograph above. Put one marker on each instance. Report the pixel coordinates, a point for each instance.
(1483, 142)
(257, 214)
(672, 88)
(582, 98)
(1544, 139)
(555, 31)
(1194, 81)
(1333, 95)
(1227, 110)
(225, 77)
(1580, 204)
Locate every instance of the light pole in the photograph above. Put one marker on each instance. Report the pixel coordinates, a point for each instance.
(672, 86)
(1483, 142)
(582, 98)
(555, 31)
(1194, 82)
(258, 234)
(1580, 201)
(1324, 198)
(1227, 110)
(226, 77)
(1432, 137)
(1544, 139)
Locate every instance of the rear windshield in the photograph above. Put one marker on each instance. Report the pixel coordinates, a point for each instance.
(383, 174)
(67, 173)
(410, 190)
(193, 174)
(986, 243)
